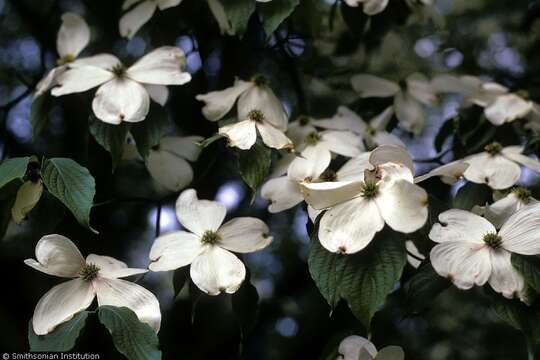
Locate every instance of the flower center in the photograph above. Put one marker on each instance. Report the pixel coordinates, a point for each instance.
(259, 80)
(369, 190)
(256, 115)
(89, 272)
(303, 120)
(523, 194)
(328, 175)
(119, 70)
(493, 149)
(312, 138)
(370, 130)
(210, 237)
(493, 240)
(65, 59)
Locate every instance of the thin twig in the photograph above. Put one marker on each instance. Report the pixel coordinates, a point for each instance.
(414, 256)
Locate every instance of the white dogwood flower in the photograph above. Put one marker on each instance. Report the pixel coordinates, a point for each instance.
(409, 96)
(498, 166)
(355, 347)
(369, 7)
(258, 110)
(122, 95)
(358, 209)
(72, 38)
(135, 18)
(96, 276)
(471, 251)
(448, 173)
(498, 212)
(208, 244)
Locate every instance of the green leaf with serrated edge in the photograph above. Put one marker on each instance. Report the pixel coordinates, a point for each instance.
(149, 132)
(273, 13)
(72, 184)
(111, 137)
(529, 268)
(245, 305)
(135, 339)
(39, 113)
(211, 140)
(423, 287)
(363, 279)
(472, 194)
(239, 12)
(62, 339)
(519, 315)
(254, 164)
(12, 169)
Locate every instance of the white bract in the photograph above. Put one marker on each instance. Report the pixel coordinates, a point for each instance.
(135, 18)
(448, 173)
(258, 110)
(208, 244)
(409, 96)
(358, 209)
(414, 256)
(370, 7)
(355, 347)
(471, 251)
(124, 94)
(498, 212)
(72, 38)
(498, 166)
(96, 276)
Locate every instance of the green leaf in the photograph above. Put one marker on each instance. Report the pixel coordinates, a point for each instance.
(472, 194)
(273, 13)
(39, 113)
(62, 339)
(72, 184)
(390, 353)
(245, 305)
(134, 339)
(211, 140)
(12, 169)
(529, 267)
(423, 287)
(111, 137)
(254, 164)
(239, 12)
(520, 316)
(149, 132)
(363, 279)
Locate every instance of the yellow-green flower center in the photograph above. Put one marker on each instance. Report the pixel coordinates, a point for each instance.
(66, 59)
(89, 272)
(210, 237)
(256, 115)
(493, 149)
(523, 194)
(119, 70)
(259, 80)
(493, 240)
(303, 120)
(312, 138)
(369, 190)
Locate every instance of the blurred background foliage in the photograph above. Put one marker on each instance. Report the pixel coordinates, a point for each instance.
(309, 62)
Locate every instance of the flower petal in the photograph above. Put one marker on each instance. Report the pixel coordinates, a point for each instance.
(354, 168)
(186, 147)
(217, 270)
(505, 279)
(367, 85)
(112, 268)
(244, 235)
(158, 93)
(462, 226)
(385, 138)
(507, 108)
(174, 250)
(273, 137)
(262, 98)
(165, 4)
(102, 61)
(79, 79)
(380, 121)
(409, 112)
(515, 153)
(197, 215)
(495, 171)
(241, 135)
(73, 35)
(219, 103)
(344, 143)
(49, 80)
(391, 154)
(414, 261)
(122, 293)
(373, 7)
(403, 206)
(520, 232)
(134, 19)
(357, 348)
(326, 194)
(169, 170)
(465, 263)
(349, 227)
(344, 119)
(162, 66)
(282, 193)
(121, 100)
(57, 255)
(449, 173)
(498, 212)
(419, 88)
(60, 303)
